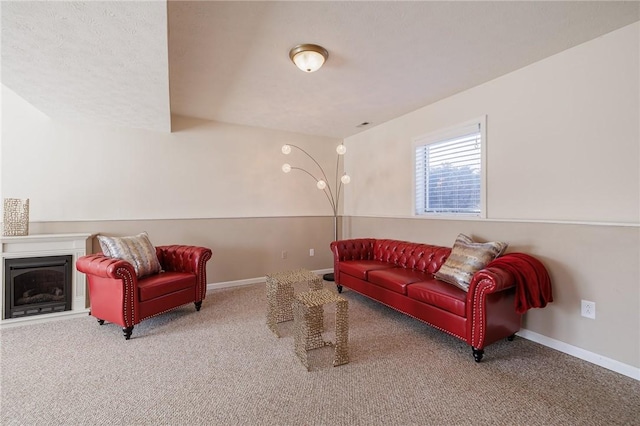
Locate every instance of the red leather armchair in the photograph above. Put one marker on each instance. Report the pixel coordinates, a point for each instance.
(118, 296)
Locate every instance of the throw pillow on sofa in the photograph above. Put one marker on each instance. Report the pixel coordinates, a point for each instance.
(468, 257)
(136, 250)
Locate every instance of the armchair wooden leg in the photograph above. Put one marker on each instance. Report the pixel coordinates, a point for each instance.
(127, 332)
(198, 305)
(339, 287)
(100, 321)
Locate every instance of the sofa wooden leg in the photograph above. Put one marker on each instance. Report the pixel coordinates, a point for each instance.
(339, 287)
(100, 321)
(198, 305)
(477, 354)
(127, 332)
(510, 338)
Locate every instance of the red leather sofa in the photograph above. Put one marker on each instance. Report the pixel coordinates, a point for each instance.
(400, 275)
(119, 297)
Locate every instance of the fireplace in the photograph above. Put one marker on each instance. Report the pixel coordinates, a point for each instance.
(33, 249)
(37, 285)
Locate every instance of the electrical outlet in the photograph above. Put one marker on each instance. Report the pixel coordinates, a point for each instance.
(312, 252)
(284, 254)
(588, 309)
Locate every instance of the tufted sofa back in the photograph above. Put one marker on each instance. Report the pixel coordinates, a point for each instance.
(422, 257)
(354, 249)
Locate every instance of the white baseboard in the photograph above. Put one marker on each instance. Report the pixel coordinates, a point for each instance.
(238, 283)
(608, 363)
(38, 319)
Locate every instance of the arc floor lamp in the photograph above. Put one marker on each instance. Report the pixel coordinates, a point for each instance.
(323, 185)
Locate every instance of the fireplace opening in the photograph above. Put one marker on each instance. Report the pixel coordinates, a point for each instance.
(37, 285)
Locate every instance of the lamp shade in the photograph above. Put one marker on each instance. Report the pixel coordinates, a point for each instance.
(308, 57)
(341, 149)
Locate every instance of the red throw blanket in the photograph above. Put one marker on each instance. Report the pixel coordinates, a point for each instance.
(533, 285)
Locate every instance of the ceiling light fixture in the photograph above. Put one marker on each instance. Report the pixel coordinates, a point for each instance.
(308, 57)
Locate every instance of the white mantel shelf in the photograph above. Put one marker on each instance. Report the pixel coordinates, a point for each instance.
(42, 245)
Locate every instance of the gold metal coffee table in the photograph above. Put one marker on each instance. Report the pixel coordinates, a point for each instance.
(280, 294)
(308, 315)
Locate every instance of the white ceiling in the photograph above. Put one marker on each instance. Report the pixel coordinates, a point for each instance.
(104, 62)
(115, 63)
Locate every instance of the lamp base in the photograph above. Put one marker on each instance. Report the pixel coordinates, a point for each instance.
(328, 277)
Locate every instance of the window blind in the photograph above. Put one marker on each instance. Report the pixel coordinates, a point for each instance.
(448, 172)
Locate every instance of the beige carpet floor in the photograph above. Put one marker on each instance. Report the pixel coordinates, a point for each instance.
(222, 366)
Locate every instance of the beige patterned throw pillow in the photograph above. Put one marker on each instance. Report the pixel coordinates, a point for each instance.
(468, 257)
(136, 250)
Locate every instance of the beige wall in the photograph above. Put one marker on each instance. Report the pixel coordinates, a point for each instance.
(243, 248)
(204, 169)
(592, 262)
(211, 184)
(563, 184)
(562, 140)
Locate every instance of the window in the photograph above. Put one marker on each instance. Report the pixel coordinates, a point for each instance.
(449, 171)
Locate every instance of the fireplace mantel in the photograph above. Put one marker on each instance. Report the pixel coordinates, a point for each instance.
(41, 245)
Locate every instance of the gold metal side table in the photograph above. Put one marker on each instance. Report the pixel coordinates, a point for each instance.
(280, 294)
(308, 316)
